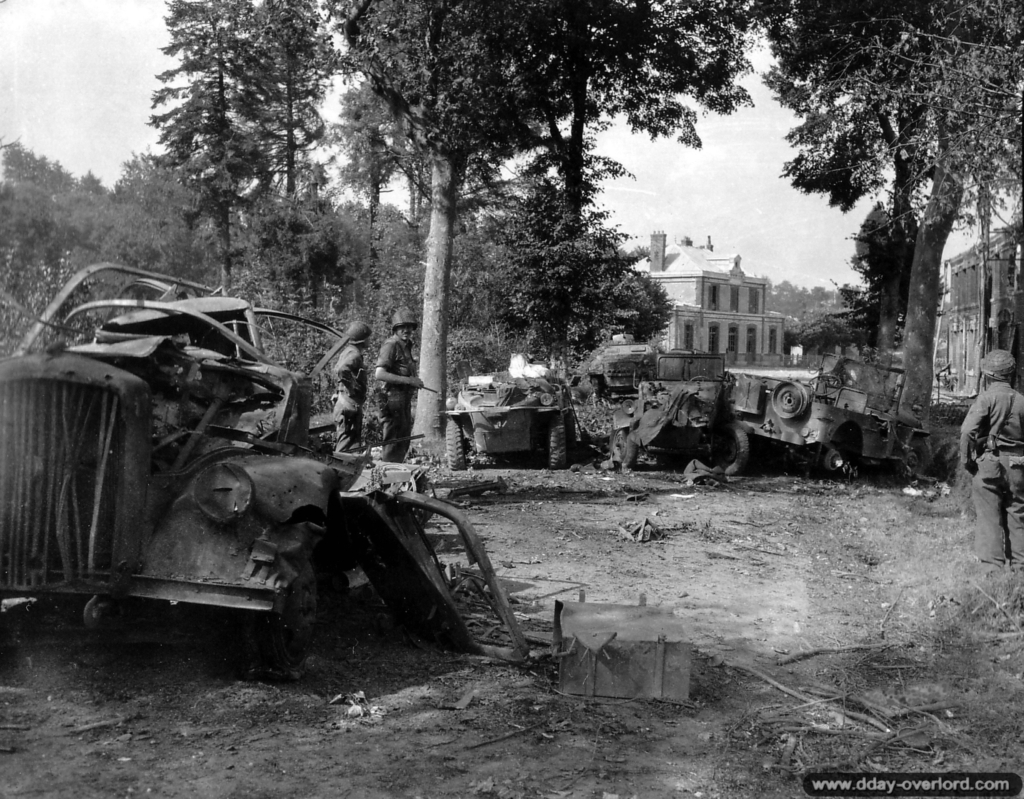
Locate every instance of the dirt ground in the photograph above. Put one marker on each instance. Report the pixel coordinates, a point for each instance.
(762, 568)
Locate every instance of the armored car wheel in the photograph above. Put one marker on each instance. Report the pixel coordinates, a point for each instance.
(732, 448)
(455, 446)
(279, 642)
(556, 443)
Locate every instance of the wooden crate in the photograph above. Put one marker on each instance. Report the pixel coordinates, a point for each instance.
(621, 651)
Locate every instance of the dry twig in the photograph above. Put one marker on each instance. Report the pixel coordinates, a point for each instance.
(1000, 607)
(885, 618)
(828, 650)
(505, 737)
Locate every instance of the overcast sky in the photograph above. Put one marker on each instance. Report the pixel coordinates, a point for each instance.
(77, 77)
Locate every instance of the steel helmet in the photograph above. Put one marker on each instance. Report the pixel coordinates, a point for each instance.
(998, 364)
(358, 333)
(403, 316)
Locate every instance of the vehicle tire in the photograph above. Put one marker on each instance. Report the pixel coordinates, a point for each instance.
(98, 611)
(918, 456)
(732, 448)
(455, 446)
(618, 450)
(280, 642)
(790, 400)
(556, 444)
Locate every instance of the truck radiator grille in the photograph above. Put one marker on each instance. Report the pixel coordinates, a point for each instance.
(59, 467)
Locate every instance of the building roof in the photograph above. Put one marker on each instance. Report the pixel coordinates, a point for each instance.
(682, 259)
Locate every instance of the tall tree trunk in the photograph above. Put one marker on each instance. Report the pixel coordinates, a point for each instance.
(904, 226)
(888, 315)
(923, 304)
(224, 223)
(290, 146)
(445, 178)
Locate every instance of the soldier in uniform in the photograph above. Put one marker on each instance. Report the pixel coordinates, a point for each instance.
(397, 370)
(992, 450)
(350, 373)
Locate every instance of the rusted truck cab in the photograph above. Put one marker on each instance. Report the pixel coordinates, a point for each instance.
(685, 410)
(161, 454)
(848, 413)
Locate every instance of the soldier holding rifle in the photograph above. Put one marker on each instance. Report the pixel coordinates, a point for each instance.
(396, 369)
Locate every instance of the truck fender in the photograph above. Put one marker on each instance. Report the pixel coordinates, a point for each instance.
(282, 486)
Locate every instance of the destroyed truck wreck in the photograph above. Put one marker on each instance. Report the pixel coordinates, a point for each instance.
(150, 448)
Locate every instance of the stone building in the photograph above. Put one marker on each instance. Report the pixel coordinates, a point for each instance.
(716, 306)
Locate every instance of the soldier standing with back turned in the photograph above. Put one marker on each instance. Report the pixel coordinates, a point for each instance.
(350, 372)
(397, 370)
(992, 450)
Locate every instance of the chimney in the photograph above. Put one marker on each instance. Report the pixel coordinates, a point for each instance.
(657, 252)
(710, 245)
(687, 241)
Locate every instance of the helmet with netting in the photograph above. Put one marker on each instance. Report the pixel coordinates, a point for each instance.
(998, 363)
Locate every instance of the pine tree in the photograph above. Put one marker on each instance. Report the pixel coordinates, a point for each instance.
(208, 134)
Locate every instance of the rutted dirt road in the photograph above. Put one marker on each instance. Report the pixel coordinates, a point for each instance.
(759, 567)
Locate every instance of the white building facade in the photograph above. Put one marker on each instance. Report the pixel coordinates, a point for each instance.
(716, 307)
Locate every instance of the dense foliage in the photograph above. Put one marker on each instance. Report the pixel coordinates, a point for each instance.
(919, 98)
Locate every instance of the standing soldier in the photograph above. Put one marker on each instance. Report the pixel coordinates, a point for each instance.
(350, 372)
(397, 370)
(992, 450)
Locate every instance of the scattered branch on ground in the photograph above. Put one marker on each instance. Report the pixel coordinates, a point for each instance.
(829, 650)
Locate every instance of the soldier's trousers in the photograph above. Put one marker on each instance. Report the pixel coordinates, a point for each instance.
(998, 492)
(348, 432)
(396, 422)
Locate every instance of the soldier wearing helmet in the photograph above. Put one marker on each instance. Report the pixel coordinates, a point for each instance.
(350, 372)
(396, 369)
(992, 450)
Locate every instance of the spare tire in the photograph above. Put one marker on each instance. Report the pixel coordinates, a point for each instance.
(791, 400)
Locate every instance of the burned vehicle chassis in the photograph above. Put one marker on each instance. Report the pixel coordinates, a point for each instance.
(169, 458)
(685, 411)
(847, 415)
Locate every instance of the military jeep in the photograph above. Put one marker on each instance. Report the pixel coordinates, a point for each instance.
(683, 410)
(503, 415)
(849, 413)
(150, 448)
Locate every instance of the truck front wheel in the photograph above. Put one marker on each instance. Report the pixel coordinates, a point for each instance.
(621, 451)
(732, 448)
(279, 642)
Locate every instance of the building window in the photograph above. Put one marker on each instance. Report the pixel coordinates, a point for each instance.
(712, 338)
(754, 301)
(734, 335)
(751, 339)
(712, 297)
(734, 298)
(773, 339)
(688, 336)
